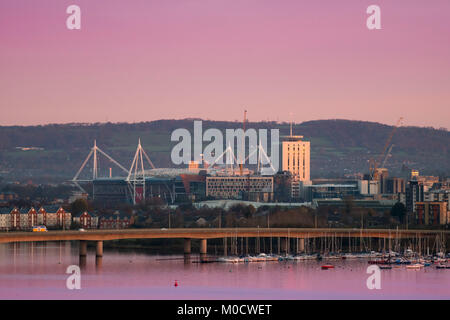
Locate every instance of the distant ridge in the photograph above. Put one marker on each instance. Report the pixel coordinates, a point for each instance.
(338, 146)
(75, 124)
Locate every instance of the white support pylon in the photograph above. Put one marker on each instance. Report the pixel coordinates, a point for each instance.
(229, 161)
(94, 172)
(95, 150)
(261, 156)
(136, 175)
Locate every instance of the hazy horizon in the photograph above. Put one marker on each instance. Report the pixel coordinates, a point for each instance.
(297, 60)
(286, 122)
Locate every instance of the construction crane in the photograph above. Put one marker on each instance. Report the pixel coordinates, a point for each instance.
(388, 154)
(374, 164)
(241, 165)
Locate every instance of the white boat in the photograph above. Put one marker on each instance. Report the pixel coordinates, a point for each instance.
(229, 259)
(374, 254)
(271, 258)
(254, 259)
(331, 257)
(260, 258)
(415, 266)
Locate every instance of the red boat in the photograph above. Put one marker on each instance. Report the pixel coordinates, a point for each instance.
(327, 266)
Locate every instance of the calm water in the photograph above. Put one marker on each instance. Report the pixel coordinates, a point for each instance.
(38, 272)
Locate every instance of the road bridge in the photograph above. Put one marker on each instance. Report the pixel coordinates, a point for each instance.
(203, 234)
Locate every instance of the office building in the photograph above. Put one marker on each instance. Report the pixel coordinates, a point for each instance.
(431, 213)
(395, 186)
(255, 188)
(414, 194)
(296, 157)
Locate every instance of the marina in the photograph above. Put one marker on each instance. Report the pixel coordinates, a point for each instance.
(384, 261)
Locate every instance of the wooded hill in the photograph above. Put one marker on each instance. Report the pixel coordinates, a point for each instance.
(338, 147)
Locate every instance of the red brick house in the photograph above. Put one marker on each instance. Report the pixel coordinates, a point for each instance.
(15, 219)
(54, 216)
(42, 216)
(116, 220)
(32, 218)
(87, 220)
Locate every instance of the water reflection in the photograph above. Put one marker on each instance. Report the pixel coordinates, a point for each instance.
(82, 262)
(187, 259)
(39, 271)
(98, 263)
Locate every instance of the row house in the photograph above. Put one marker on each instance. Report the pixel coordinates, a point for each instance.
(86, 220)
(25, 219)
(5, 218)
(116, 220)
(55, 216)
(28, 217)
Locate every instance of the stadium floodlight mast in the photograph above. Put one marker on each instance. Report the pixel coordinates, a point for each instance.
(95, 150)
(136, 174)
(230, 159)
(262, 160)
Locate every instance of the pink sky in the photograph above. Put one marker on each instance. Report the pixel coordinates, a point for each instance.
(143, 60)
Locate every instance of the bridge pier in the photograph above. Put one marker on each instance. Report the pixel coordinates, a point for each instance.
(284, 245)
(98, 263)
(99, 249)
(203, 249)
(187, 246)
(187, 250)
(301, 245)
(225, 249)
(83, 253)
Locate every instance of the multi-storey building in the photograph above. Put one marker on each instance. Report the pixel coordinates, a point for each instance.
(382, 176)
(427, 181)
(238, 187)
(438, 195)
(431, 213)
(296, 157)
(414, 193)
(395, 186)
(331, 191)
(369, 187)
